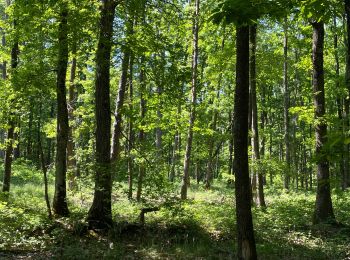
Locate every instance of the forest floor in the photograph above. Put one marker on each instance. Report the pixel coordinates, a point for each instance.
(201, 228)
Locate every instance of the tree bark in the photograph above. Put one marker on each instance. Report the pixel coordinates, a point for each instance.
(185, 177)
(346, 175)
(130, 131)
(255, 132)
(11, 131)
(117, 126)
(71, 160)
(142, 137)
(286, 106)
(245, 232)
(60, 206)
(100, 213)
(323, 209)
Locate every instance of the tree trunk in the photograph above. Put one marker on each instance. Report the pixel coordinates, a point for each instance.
(117, 126)
(100, 213)
(346, 175)
(339, 98)
(323, 209)
(185, 177)
(245, 232)
(71, 160)
(286, 106)
(11, 130)
(130, 130)
(255, 133)
(142, 168)
(60, 207)
(43, 167)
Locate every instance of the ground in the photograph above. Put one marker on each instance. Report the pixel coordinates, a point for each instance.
(201, 228)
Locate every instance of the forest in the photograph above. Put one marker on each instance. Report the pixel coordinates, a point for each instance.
(175, 129)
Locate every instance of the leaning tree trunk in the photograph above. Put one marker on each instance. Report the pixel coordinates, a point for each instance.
(185, 177)
(255, 133)
(60, 206)
(324, 209)
(245, 231)
(100, 213)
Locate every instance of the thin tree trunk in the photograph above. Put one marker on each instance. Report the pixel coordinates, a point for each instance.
(131, 131)
(100, 213)
(142, 137)
(71, 160)
(185, 177)
(44, 167)
(323, 208)
(255, 133)
(339, 98)
(245, 232)
(117, 126)
(11, 130)
(286, 106)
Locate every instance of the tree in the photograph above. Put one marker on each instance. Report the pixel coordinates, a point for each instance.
(254, 108)
(185, 177)
(11, 121)
(60, 206)
(100, 213)
(324, 208)
(245, 232)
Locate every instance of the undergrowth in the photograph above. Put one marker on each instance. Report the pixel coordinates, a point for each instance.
(203, 227)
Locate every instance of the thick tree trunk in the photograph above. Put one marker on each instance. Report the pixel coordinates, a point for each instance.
(100, 213)
(286, 106)
(255, 133)
(323, 209)
(245, 232)
(185, 177)
(60, 207)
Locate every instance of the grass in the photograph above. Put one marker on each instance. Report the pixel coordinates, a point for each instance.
(201, 228)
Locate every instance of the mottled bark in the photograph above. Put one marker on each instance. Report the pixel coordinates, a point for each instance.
(245, 233)
(60, 206)
(117, 126)
(186, 172)
(100, 213)
(323, 208)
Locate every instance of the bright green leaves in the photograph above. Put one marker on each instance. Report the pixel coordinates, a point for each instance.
(243, 12)
(317, 10)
